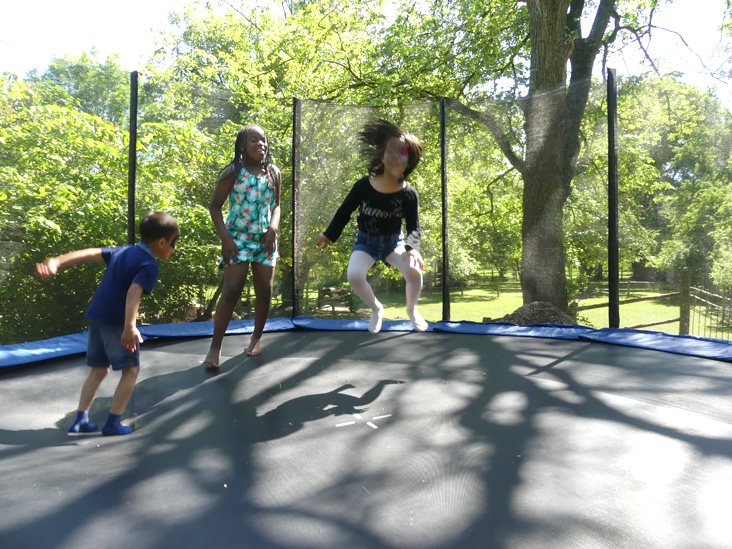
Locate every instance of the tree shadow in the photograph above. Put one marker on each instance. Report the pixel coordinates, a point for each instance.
(182, 416)
(188, 418)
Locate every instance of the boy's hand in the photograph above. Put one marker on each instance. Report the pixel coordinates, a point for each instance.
(130, 337)
(417, 258)
(322, 241)
(48, 268)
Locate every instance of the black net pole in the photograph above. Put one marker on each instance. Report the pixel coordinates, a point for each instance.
(613, 259)
(132, 162)
(445, 239)
(296, 144)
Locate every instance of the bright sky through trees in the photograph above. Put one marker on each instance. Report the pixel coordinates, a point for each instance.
(32, 33)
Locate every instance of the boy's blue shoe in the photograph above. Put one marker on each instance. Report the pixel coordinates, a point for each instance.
(113, 426)
(82, 424)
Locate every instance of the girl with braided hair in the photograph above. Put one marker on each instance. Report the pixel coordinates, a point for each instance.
(248, 236)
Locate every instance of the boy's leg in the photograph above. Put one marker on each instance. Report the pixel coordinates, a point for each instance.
(90, 387)
(262, 279)
(122, 395)
(235, 277)
(413, 276)
(358, 269)
(81, 423)
(124, 390)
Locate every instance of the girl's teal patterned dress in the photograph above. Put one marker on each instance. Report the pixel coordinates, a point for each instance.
(251, 202)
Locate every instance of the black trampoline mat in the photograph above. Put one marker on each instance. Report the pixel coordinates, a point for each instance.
(348, 439)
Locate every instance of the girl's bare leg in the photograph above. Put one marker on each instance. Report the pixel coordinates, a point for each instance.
(262, 279)
(235, 276)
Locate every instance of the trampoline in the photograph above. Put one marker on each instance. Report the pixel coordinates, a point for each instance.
(399, 439)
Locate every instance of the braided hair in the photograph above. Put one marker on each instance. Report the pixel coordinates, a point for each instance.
(241, 157)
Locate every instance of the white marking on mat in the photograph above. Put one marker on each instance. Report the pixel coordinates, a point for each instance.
(359, 418)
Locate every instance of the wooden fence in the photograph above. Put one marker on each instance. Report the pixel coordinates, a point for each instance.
(684, 296)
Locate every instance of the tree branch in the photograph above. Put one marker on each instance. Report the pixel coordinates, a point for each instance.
(498, 134)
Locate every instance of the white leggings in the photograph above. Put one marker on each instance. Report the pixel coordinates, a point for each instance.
(361, 262)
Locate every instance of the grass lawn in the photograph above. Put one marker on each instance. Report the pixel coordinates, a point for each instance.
(485, 300)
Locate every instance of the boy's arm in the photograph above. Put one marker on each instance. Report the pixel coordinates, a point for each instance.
(131, 335)
(54, 264)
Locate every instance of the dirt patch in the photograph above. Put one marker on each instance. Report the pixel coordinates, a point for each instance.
(538, 312)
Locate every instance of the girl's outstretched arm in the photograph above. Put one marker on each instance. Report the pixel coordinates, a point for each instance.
(52, 265)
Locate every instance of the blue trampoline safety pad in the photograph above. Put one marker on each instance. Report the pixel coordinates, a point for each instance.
(35, 351)
(552, 331)
(715, 349)
(311, 323)
(204, 329)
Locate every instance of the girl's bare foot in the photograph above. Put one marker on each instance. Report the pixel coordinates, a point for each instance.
(211, 362)
(253, 349)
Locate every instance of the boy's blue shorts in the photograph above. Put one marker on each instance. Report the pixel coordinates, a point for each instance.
(379, 247)
(104, 347)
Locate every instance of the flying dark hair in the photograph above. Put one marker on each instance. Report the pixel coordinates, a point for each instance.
(374, 138)
(241, 157)
(157, 225)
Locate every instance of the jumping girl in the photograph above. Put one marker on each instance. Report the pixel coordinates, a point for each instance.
(384, 199)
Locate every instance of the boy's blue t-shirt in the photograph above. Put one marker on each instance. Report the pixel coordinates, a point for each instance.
(125, 265)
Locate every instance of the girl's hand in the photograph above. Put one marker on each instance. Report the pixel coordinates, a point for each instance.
(269, 239)
(229, 251)
(130, 337)
(322, 241)
(417, 258)
(48, 268)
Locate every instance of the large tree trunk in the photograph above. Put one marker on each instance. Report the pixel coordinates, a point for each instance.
(553, 116)
(546, 181)
(546, 190)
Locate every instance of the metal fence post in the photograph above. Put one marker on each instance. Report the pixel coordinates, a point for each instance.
(685, 302)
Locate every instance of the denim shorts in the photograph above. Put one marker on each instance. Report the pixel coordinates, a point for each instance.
(104, 347)
(379, 247)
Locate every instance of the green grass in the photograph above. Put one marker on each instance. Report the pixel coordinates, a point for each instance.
(479, 301)
(486, 300)
(634, 314)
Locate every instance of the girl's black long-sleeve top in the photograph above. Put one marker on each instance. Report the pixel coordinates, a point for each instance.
(380, 214)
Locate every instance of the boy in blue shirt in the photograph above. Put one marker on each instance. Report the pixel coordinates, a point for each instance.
(113, 335)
